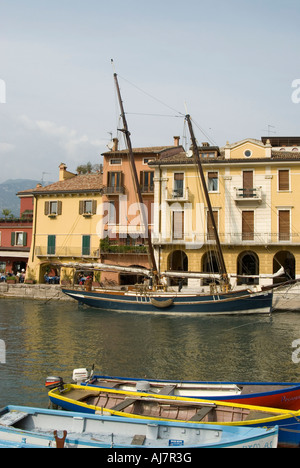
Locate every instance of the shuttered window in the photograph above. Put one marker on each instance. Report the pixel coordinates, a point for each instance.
(178, 225)
(51, 245)
(248, 184)
(247, 225)
(53, 208)
(86, 245)
(87, 207)
(284, 179)
(284, 225)
(210, 229)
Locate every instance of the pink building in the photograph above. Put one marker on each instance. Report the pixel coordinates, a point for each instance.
(15, 238)
(121, 244)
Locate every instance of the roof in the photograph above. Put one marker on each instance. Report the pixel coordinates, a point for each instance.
(145, 150)
(78, 183)
(182, 158)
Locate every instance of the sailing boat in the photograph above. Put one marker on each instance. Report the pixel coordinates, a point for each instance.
(156, 299)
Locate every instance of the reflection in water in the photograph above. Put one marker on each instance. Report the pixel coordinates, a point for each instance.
(52, 338)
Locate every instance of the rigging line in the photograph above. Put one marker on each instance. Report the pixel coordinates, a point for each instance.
(204, 133)
(152, 97)
(155, 115)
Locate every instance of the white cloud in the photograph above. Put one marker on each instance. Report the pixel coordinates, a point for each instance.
(68, 139)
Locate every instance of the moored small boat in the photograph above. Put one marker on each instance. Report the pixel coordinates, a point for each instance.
(164, 407)
(270, 394)
(27, 427)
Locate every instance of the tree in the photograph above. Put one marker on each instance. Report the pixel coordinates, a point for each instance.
(7, 214)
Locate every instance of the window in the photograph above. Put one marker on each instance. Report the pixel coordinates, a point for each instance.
(53, 208)
(284, 225)
(178, 225)
(178, 184)
(115, 162)
(113, 212)
(87, 207)
(51, 245)
(284, 180)
(213, 181)
(247, 225)
(19, 239)
(86, 245)
(209, 225)
(146, 178)
(114, 182)
(247, 153)
(248, 191)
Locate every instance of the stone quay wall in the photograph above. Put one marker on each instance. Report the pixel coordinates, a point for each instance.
(43, 292)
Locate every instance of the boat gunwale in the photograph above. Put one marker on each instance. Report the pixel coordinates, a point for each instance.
(57, 394)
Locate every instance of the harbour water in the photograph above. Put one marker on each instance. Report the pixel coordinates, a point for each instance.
(44, 338)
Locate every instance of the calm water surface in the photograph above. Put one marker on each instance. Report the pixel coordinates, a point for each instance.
(52, 338)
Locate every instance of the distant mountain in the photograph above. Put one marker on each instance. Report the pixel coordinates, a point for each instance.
(9, 190)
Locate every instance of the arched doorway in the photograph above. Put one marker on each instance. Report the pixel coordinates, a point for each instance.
(248, 264)
(287, 260)
(178, 261)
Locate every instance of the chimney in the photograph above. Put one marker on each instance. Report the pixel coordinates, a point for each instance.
(176, 140)
(63, 173)
(115, 144)
(62, 170)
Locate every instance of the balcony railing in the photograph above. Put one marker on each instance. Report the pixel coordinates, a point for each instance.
(248, 194)
(74, 252)
(113, 189)
(238, 238)
(147, 188)
(177, 195)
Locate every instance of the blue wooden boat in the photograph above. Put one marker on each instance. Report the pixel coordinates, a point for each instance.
(142, 405)
(269, 394)
(232, 303)
(25, 426)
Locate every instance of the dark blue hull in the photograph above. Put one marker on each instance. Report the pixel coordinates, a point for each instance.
(240, 302)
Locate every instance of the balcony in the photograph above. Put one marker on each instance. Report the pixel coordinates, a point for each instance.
(72, 252)
(177, 195)
(248, 194)
(147, 189)
(113, 190)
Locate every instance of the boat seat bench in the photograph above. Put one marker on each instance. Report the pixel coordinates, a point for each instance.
(167, 390)
(202, 413)
(124, 404)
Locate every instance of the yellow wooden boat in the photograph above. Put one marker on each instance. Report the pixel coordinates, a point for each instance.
(171, 408)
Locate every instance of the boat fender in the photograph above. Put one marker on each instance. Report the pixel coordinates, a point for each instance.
(163, 303)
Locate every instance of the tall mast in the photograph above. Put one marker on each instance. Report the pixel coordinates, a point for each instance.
(223, 270)
(135, 179)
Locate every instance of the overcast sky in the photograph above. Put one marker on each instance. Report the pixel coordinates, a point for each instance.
(231, 63)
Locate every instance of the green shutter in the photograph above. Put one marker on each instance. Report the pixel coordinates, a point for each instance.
(24, 239)
(86, 245)
(51, 245)
(13, 238)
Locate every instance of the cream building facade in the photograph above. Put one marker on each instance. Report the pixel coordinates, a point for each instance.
(254, 188)
(65, 225)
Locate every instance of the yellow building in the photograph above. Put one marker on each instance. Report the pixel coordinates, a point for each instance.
(65, 226)
(254, 188)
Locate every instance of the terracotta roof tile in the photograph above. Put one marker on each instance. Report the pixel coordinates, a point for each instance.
(79, 183)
